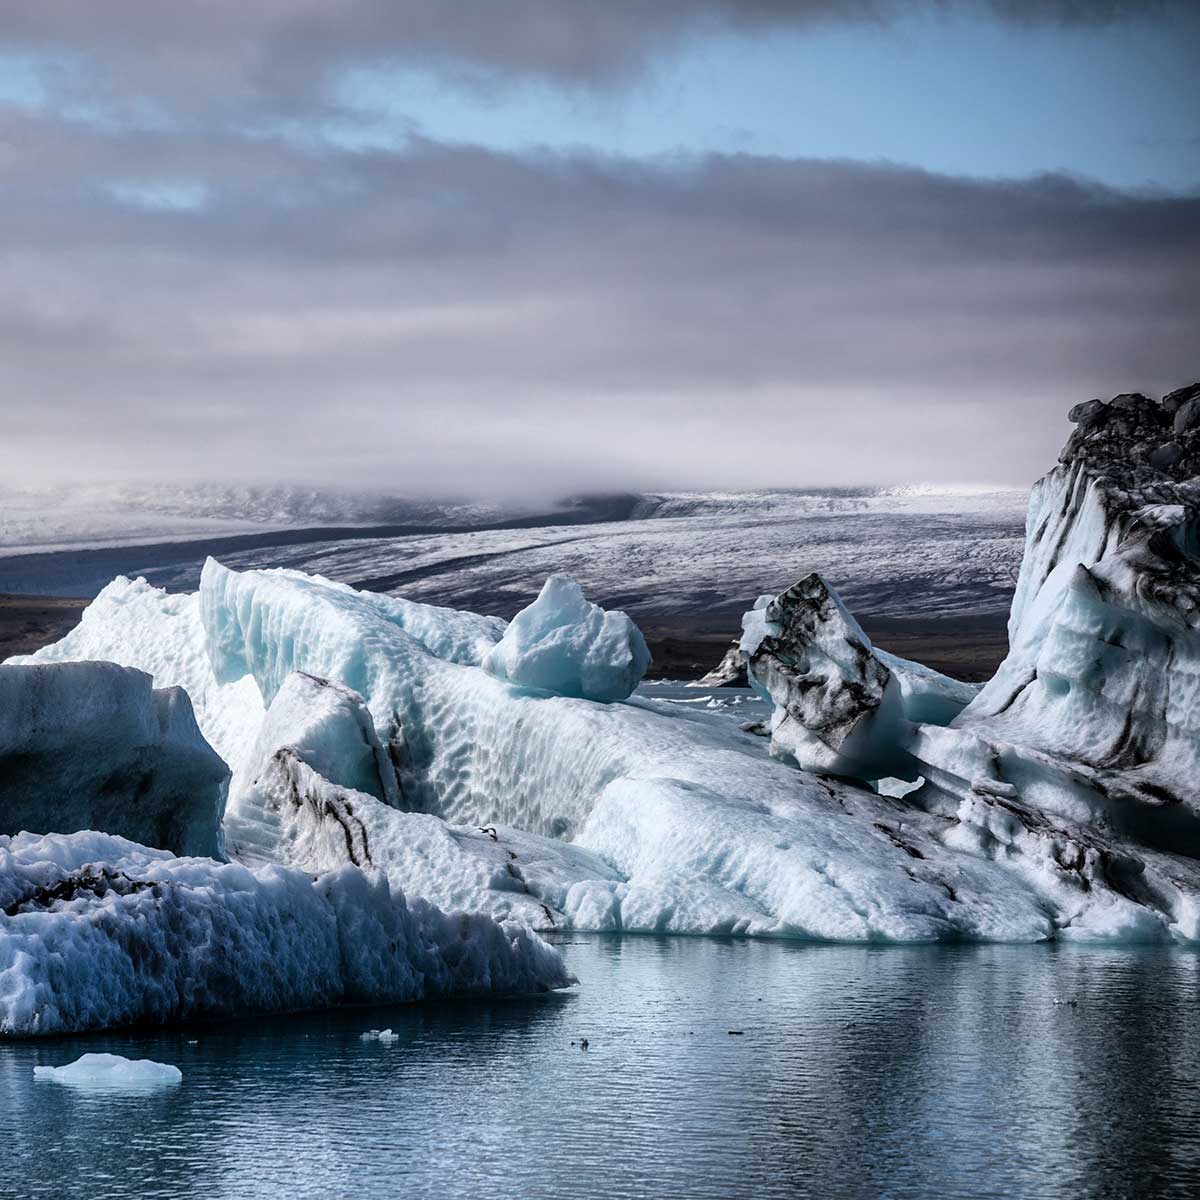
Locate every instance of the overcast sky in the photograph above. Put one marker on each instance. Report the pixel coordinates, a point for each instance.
(554, 244)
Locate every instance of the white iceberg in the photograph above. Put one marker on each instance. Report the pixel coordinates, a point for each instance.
(385, 1036)
(91, 745)
(632, 816)
(140, 626)
(112, 1072)
(697, 831)
(97, 932)
(564, 644)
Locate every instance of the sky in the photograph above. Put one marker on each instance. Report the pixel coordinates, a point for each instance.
(497, 250)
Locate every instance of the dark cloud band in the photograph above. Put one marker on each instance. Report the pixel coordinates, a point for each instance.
(448, 317)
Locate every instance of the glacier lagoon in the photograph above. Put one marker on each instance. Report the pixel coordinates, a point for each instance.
(859, 1071)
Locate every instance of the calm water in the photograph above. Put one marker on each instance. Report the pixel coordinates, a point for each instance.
(938, 1072)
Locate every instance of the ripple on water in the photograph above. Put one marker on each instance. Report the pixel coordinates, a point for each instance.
(862, 1071)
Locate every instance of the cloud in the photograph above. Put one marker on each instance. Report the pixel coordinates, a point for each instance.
(451, 319)
(227, 53)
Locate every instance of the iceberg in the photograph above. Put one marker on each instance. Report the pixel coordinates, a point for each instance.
(1087, 740)
(384, 1036)
(696, 830)
(564, 644)
(97, 932)
(112, 1072)
(136, 625)
(509, 771)
(92, 745)
(1078, 762)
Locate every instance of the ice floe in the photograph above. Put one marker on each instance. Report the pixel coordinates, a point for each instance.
(112, 1072)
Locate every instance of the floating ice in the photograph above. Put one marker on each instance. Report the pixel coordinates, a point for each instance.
(696, 831)
(386, 1036)
(112, 1072)
(564, 644)
(90, 745)
(1085, 746)
(97, 932)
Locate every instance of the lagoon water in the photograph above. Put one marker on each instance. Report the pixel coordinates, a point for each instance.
(857, 1071)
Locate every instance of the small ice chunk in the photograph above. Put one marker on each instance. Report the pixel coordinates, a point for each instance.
(386, 1036)
(565, 644)
(112, 1071)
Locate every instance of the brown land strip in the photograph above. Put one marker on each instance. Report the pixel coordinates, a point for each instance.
(29, 622)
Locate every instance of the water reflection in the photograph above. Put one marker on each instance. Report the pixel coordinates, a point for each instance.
(927, 1071)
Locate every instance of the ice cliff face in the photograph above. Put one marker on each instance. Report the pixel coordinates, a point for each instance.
(91, 745)
(1103, 676)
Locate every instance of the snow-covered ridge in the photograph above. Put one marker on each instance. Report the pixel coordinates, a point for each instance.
(802, 502)
(76, 516)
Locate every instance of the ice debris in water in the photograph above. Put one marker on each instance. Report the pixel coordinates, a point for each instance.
(386, 1036)
(111, 1072)
(563, 643)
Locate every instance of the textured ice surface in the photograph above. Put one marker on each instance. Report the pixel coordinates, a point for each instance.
(96, 932)
(317, 800)
(699, 831)
(563, 643)
(1087, 739)
(91, 745)
(1094, 716)
(112, 1072)
(1078, 762)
